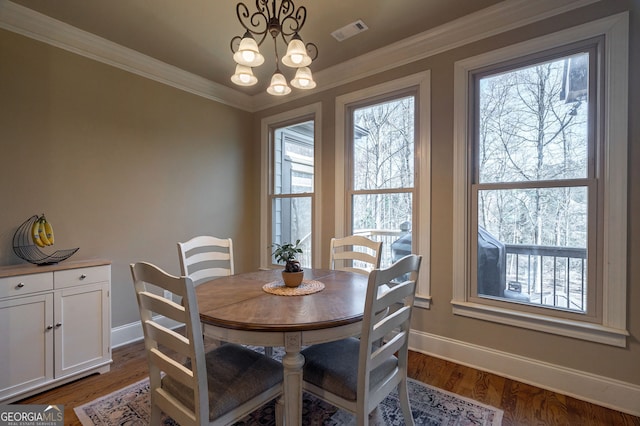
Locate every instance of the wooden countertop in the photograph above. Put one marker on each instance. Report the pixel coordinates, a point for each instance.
(28, 268)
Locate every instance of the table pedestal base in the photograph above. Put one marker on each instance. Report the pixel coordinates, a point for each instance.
(292, 383)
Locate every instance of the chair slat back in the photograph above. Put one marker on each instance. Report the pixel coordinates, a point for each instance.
(392, 290)
(169, 338)
(205, 257)
(167, 350)
(167, 365)
(208, 274)
(355, 253)
(390, 323)
(156, 303)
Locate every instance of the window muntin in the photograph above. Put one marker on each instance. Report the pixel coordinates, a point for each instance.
(292, 165)
(532, 177)
(419, 85)
(608, 194)
(382, 172)
(533, 121)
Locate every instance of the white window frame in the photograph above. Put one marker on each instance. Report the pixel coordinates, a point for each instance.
(612, 329)
(314, 111)
(422, 170)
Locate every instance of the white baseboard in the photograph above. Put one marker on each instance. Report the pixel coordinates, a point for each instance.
(132, 332)
(610, 393)
(127, 333)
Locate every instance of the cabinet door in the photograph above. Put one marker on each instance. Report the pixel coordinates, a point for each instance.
(82, 328)
(26, 343)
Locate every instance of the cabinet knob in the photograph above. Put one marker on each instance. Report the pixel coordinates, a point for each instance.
(83, 276)
(20, 285)
(58, 324)
(49, 327)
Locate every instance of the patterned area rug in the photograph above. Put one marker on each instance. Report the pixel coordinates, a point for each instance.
(430, 406)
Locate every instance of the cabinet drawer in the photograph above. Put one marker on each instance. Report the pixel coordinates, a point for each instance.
(25, 284)
(79, 276)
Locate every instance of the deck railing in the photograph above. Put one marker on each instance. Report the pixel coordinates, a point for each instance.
(548, 275)
(545, 275)
(387, 236)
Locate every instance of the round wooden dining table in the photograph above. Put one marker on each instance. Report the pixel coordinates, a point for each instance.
(237, 309)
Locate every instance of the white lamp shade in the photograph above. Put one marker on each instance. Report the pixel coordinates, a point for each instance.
(303, 79)
(248, 53)
(278, 86)
(244, 76)
(296, 56)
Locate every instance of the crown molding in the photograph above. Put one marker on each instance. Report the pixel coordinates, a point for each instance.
(496, 19)
(504, 16)
(32, 24)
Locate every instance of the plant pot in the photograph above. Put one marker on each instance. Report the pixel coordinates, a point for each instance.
(292, 279)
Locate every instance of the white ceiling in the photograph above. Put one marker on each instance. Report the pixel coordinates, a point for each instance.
(195, 35)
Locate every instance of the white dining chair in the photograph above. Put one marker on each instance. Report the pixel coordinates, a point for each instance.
(218, 387)
(357, 374)
(355, 253)
(204, 258)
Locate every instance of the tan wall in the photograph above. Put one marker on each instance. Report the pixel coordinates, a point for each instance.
(123, 167)
(618, 363)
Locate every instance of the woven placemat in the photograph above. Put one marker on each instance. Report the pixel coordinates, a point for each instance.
(307, 287)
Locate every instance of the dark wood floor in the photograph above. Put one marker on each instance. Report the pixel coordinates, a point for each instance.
(522, 404)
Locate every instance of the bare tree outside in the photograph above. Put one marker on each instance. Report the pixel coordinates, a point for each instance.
(383, 165)
(532, 167)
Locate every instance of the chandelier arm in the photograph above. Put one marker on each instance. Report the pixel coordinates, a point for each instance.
(275, 12)
(256, 23)
(264, 36)
(262, 6)
(312, 50)
(287, 7)
(236, 40)
(284, 39)
(293, 22)
(278, 18)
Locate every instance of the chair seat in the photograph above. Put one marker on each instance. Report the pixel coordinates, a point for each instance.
(235, 375)
(357, 374)
(333, 366)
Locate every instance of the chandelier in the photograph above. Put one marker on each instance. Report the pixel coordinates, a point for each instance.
(282, 21)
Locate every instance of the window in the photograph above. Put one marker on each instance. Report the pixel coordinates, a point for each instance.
(381, 164)
(533, 153)
(292, 180)
(289, 193)
(382, 183)
(534, 184)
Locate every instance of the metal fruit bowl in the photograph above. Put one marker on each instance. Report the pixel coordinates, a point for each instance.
(25, 249)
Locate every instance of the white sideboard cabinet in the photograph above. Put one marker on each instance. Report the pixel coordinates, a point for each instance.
(55, 325)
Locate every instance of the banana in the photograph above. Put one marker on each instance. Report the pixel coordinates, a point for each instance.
(35, 235)
(48, 229)
(42, 232)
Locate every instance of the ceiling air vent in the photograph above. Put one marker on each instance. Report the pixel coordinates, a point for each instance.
(349, 30)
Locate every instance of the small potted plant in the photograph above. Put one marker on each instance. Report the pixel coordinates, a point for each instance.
(287, 253)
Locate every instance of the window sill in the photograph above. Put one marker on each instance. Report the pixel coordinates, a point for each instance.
(563, 327)
(422, 302)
